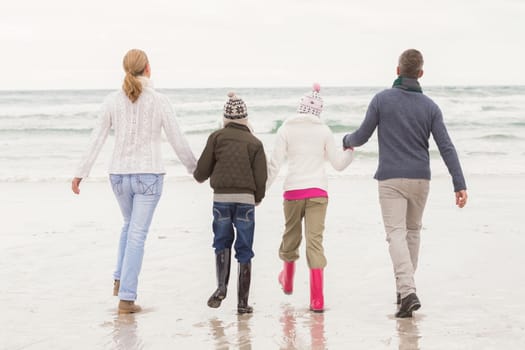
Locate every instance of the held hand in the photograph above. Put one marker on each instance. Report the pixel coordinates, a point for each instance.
(75, 185)
(461, 198)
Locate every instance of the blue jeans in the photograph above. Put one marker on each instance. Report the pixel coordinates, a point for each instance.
(137, 196)
(226, 216)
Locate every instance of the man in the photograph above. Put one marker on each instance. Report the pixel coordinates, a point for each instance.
(405, 119)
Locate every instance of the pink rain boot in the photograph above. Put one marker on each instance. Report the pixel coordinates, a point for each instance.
(286, 277)
(316, 290)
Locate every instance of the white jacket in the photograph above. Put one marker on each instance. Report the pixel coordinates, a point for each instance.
(137, 128)
(307, 143)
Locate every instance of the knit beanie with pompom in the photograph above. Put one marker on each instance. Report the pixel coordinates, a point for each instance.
(312, 102)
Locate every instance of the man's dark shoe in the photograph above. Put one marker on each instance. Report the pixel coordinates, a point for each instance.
(408, 304)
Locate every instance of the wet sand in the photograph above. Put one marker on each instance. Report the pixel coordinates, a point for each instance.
(57, 253)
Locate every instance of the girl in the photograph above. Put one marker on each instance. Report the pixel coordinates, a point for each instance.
(306, 142)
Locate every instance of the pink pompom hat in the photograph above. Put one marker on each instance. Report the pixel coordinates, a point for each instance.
(312, 102)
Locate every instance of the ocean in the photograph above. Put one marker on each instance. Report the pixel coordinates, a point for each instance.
(44, 133)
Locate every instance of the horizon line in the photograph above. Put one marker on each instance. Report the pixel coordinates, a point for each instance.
(255, 87)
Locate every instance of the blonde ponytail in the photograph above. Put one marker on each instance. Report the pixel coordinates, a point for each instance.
(134, 64)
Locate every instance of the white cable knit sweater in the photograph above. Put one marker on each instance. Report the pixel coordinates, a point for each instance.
(137, 128)
(307, 143)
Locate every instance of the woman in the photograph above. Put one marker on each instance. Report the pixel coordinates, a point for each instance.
(307, 143)
(137, 113)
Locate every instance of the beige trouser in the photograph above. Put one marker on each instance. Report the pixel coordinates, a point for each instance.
(313, 210)
(402, 204)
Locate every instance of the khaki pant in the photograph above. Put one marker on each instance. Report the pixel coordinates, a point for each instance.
(402, 204)
(313, 210)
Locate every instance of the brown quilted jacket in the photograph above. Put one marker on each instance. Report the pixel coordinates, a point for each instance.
(235, 162)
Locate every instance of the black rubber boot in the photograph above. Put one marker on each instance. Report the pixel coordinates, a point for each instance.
(222, 263)
(408, 304)
(243, 288)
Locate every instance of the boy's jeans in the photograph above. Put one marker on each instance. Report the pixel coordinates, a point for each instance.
(226, 216)
(137, 196)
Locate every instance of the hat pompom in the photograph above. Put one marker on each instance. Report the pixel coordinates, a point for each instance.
(316, 87)
(231, 95)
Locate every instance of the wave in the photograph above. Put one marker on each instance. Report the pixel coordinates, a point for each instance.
(365, 154)
(50, 116)
(496, 137)
(362, 167)
(271, 110)
(276, 125)
(340, 128)
(486, 153)
(467, 124)
(498, 108)
(270, 128)
(46, 131)
(44, 179)
(24, 157)
(482, 126)
(200, 131)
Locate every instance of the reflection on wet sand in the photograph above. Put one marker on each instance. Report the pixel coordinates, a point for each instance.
(317, 330)
(314, 322)
(288, 323)
(408, 334)
(125, 333)
(217, 330)
(244, 337)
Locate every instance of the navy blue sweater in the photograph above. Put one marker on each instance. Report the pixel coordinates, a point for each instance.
(405, 120)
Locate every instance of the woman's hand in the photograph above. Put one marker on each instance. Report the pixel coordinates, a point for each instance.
(75, 185)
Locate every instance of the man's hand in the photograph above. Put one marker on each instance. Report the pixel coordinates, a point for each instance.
(75, 184)
(461, 198)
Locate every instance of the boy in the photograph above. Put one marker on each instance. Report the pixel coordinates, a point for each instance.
(235, 162)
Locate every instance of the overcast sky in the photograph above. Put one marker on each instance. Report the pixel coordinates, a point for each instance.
(55, 44)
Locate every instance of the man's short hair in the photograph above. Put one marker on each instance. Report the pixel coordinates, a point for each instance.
(410, 63)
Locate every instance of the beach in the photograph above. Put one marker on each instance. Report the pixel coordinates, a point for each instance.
(58, 252)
